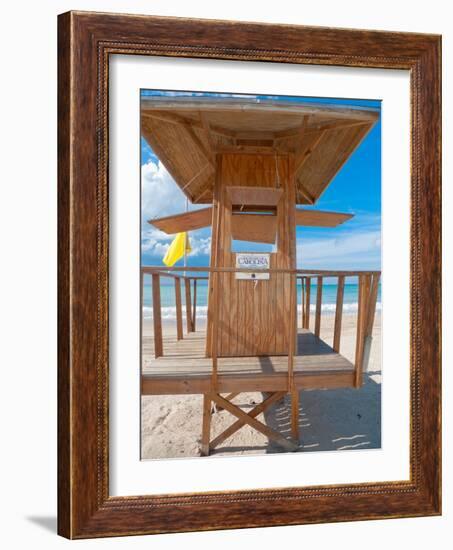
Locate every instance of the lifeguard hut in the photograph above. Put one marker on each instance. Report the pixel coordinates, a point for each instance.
(253, 163)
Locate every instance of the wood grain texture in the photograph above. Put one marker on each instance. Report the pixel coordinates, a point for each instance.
(185, 369)
(65, 487)
(318, 218)
(194, 306)
(85, 42)
(258, 409)
(254, 423)
(157, 317)
(191, 131)
(338, 313)
(187, 221)
(254, 194)
(254, 227)
(188, 305)
(248, 309)
(307, 302)
(206, 427)
(178, 307)
(318, 306)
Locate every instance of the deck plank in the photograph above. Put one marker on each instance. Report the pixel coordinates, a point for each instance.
(185, 369)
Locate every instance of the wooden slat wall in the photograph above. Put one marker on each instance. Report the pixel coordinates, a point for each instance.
(249, 313)
(254, 227)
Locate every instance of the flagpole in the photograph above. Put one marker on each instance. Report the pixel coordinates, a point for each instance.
(185, 245)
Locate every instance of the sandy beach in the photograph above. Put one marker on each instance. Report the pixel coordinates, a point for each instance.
(329, 419)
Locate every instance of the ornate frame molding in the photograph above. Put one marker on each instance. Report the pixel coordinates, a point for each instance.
(86, 40)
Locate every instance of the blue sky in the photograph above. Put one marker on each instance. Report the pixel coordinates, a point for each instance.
(356, 189)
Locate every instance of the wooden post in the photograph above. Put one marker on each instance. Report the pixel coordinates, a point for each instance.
(318, 306)
(302, 299)
(179, 331)
(292, 332)
(194, 311)
(206, 427)
(215, 335)
(372, 304)
(362, 316)
(307, 303)
(295, 414)
(338, 314)
(157, 317)
(369, 321)
(358, 376)
(291, 350)
(188, 305)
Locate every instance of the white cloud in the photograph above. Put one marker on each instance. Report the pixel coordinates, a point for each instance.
(161, 196)
(353, 250)
(153, 240)
(200, 246)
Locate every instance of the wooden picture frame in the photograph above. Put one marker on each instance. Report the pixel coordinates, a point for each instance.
(85, 42)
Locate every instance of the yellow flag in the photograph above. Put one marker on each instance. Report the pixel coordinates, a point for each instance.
(177, 248)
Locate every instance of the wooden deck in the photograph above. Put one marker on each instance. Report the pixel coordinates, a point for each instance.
(185, 370)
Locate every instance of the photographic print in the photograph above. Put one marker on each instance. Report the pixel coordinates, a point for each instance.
(260, 274)
(236, 205)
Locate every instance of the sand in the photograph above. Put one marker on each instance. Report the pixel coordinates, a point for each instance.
(329, 419)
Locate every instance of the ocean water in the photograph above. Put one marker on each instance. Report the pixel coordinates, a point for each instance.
(329, 297)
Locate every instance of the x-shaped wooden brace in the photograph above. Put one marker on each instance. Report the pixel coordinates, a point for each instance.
(243, 419)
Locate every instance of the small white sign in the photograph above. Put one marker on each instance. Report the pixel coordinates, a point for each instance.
(256, 261)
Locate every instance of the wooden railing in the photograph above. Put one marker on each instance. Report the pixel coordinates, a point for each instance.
(157, 274)
(368, 285)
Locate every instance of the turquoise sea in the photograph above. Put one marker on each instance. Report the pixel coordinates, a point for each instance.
(329, 296)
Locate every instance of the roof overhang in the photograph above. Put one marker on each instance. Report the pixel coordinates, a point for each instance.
(186, 133)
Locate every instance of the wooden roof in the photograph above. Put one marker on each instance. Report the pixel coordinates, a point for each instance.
(187, 132)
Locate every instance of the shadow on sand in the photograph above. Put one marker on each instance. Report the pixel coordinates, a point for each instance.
(329, 420)
(332, 420)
